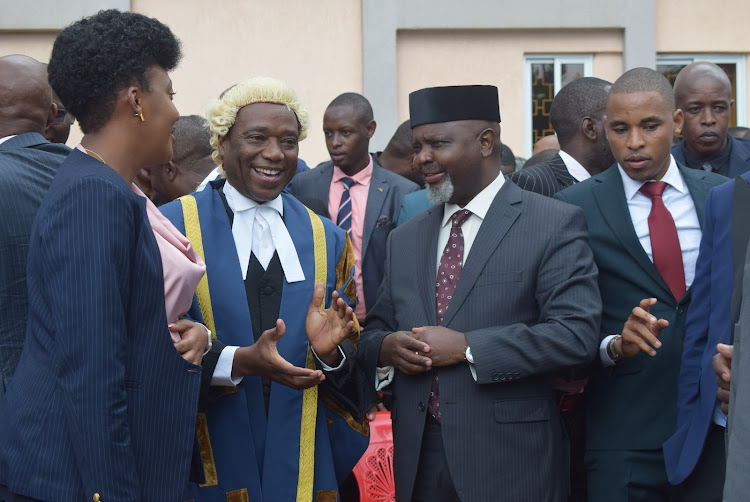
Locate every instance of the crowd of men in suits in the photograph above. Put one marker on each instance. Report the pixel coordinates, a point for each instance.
(594, 286)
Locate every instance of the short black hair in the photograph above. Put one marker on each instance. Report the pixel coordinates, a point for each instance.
(401, 141)
(644, 80)
(98, 56)
(507, 158)
(581, 98)
(192, 139)
(357, 101)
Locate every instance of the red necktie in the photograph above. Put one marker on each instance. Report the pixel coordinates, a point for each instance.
(447, 277)
(665, 245)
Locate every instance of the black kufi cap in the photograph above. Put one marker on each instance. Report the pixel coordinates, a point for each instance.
(458, 102)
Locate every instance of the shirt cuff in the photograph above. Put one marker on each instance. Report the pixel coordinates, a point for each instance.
(603, 354)
(222, 376)
(324, 365)
(470, 360)
(384, 377)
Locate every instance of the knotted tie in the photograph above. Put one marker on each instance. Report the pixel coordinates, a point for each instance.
(665, 244)
(447, 277)
(344, 217)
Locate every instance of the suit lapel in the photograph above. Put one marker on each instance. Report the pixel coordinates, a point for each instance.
(610, 197)
(427, 234)
(500, 217)
(694, 179)
(376, 196)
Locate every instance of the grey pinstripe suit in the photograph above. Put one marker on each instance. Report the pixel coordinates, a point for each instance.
(28, 163)
(528, 302)
(546, 178)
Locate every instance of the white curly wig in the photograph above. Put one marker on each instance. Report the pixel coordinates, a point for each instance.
(222, 113)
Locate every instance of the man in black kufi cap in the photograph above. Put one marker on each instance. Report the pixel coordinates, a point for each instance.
(469, 338)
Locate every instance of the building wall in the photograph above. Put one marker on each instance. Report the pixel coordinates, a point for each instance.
(221, 46)
(690, 26)
(318, 46)
(454, 57)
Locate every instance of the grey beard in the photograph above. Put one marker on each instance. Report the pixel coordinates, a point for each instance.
(442, 193)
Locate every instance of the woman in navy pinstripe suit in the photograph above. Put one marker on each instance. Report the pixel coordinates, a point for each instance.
(102, 406)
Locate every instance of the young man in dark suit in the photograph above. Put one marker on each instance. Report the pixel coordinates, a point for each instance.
(577, 115)
(704, 94)
(469, 338)
(28, 162)
(361, 196)
(644, 219)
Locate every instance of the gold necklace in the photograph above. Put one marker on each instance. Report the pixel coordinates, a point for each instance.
(92, 152)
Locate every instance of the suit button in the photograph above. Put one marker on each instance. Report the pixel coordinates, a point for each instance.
(503, 378)
(421, 406)
(495, 377)
(268, 290)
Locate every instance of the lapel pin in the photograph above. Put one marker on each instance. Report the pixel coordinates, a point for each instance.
(380, 189)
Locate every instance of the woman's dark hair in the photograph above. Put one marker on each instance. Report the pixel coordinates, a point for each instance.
(95, 58)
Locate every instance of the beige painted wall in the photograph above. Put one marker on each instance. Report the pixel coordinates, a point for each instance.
(240, 39)
(455, 57)
(692, 26)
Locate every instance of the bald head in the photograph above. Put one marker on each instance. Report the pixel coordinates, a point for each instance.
(704, 93)
(699, 71)
(25, 96)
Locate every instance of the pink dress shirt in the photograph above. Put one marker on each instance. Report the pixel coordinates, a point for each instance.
(358, 193)
(183, 268)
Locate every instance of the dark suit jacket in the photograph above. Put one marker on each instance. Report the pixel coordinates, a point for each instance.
(28, 163)
(738, 424)
(546, 178)
(626, 276)
(101, 401)
(708, 323)
(529, 306)
(739, 159)
(383, 205)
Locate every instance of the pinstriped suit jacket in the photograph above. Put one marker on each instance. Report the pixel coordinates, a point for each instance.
(101, 402)
(529, 305)
(28, 163)
(546, 178)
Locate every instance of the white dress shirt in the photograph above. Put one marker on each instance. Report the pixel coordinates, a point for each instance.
(259, 229)
(679, 202)
(478, 206)
(6, 138)
(574, 167)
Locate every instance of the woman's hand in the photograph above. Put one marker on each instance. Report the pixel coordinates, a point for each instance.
(193, 340)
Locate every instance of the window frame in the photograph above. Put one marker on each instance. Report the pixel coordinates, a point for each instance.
(557, 60)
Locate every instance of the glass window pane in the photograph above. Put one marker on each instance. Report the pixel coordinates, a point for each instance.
(542, 92)
(570, 72)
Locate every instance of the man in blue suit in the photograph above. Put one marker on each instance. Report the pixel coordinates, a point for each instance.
(704, 94)
(695, 454)
(28, 163)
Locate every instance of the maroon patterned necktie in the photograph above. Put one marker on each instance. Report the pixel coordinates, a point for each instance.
(665, 244)
(447, 277)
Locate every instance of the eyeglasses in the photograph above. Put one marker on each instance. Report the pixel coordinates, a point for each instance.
(63, 115)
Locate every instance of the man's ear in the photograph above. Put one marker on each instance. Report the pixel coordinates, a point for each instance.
(170, 171)
(51, 115)
(588, 127)
(371, 128)
(678, 118)
(487, 140)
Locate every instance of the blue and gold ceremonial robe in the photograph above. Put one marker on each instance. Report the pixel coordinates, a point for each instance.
(306, 443)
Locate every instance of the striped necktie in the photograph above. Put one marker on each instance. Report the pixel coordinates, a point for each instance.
(344, 217)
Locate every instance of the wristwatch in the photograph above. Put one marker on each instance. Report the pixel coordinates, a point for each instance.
(467, 355)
